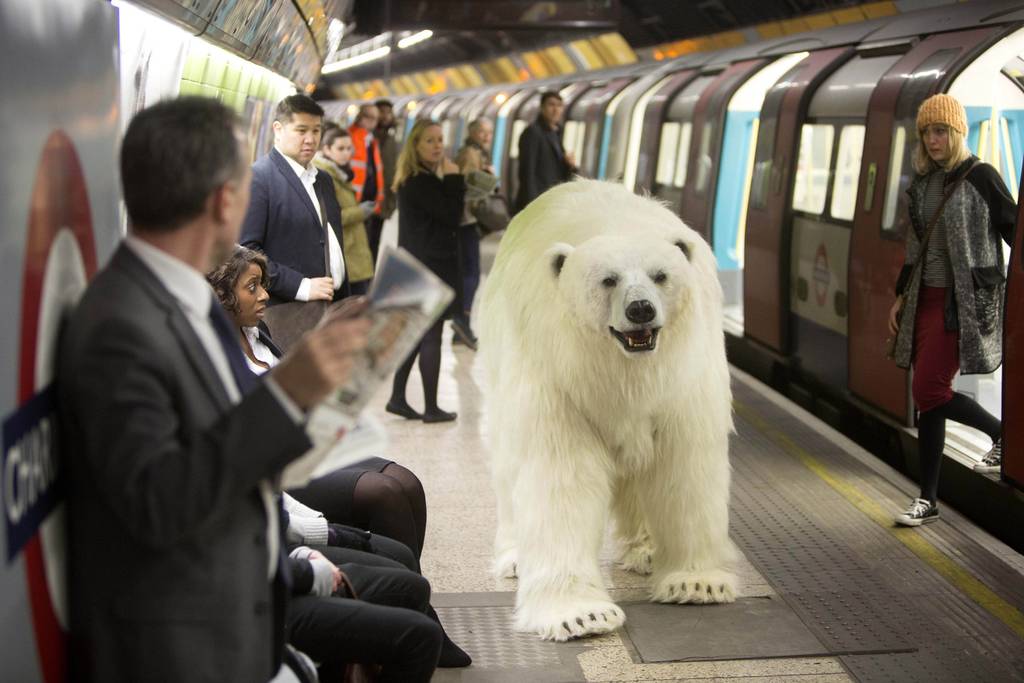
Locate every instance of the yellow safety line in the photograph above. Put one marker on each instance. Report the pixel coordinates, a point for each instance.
(918, 544)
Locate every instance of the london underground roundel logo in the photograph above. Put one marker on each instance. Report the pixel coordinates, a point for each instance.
(60, 256)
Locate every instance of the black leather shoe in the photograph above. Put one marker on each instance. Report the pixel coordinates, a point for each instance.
(463, 334)
(438, 415)
(402, 410)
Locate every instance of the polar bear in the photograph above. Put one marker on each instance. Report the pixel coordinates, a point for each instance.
(607, 391)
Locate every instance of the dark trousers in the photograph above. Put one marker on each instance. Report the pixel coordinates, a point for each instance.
(385, 626)
(469, 265)
(374, 228)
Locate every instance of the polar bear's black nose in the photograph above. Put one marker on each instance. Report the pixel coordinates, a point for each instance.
(640, 311)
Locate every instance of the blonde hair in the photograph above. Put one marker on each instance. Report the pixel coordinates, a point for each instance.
(408, 163)
(958, 153)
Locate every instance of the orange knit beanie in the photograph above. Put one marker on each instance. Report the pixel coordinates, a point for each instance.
(942, 109)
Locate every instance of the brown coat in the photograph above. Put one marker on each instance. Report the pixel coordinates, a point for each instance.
(358, 258)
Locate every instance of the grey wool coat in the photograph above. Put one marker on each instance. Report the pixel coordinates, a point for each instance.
(978, 213)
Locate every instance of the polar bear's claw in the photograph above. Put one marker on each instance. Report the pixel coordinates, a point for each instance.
(505, 564)
(638, 558)
(572, 620)
(711, 586)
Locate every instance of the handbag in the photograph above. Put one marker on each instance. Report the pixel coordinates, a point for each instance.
(491, 213)
(891, 341)
(290, 320)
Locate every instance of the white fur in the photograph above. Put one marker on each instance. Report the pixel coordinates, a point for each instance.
(581, 428)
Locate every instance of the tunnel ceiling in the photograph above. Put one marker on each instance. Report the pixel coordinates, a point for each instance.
(466, 31)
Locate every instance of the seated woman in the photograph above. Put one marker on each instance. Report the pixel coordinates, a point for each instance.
(375, 494)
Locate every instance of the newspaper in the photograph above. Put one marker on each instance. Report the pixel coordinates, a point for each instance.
(406, 298)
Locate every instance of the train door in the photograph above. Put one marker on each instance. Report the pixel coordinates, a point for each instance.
(577, 123)
(597, 125)
(822, 203)
(645, 129)
(706, 145)
(506, 137)
(736, 161)
(617, 134)
(991, 91)
(668, 147)
(880, 223)
(766, 237)
(1013, 359)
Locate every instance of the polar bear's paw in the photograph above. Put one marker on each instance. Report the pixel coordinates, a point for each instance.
(713, 585)
(505, 564)
(638, 557)
(564, 619)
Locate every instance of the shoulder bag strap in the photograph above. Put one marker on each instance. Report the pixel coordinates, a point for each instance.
(935, 220)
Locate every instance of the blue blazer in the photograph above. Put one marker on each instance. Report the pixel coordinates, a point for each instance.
(283, 224)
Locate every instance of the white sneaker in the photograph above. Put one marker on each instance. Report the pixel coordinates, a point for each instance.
(919, 512)
(992, 461)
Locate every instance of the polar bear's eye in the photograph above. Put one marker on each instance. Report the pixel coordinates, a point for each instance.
(610, 281)
(660, 277)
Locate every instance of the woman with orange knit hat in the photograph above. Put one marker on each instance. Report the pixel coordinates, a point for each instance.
(949, 308)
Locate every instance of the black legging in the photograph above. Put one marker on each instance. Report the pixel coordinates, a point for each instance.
(429, 352)
(931, 435)
(390, 503)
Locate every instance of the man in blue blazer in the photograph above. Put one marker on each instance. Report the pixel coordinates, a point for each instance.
(294, 217)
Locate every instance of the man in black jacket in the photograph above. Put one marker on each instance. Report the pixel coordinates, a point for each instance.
(543, 162)
(175, 564)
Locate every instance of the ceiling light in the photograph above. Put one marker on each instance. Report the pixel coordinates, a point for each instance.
(409, 41)
(349, 62)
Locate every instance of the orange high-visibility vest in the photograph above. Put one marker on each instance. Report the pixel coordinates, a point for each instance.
(358, 163)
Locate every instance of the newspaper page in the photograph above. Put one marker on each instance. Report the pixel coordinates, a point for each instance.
(406, 298)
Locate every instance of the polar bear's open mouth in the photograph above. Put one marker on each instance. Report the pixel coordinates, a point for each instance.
(644, 339)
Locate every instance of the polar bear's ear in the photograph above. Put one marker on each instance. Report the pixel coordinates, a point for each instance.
(685, 248)
(556, 256)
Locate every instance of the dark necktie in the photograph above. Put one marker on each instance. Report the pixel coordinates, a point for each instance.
(227, 335)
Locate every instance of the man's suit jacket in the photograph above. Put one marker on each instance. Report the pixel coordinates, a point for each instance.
(282, 223)
(541, 164)
(168, 534)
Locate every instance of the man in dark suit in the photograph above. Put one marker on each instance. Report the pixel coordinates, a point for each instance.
(294, 217)
(543, 163)
(175, 569)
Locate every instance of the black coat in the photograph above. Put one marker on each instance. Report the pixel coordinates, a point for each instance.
(542, 163)
(167, 528)
(429, 212)
(282, 223)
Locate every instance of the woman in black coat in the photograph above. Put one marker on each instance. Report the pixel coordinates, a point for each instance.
(430, 193)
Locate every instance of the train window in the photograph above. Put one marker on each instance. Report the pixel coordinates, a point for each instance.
(667, 150)
(899, 148)
(844, 185)
(810, 186)
(704, 158)
(518, 127)
(683, 156)
(572, 139)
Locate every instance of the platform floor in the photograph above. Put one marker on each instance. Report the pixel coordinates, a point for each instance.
(830, 589)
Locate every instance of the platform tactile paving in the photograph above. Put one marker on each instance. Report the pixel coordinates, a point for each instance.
(855, 586)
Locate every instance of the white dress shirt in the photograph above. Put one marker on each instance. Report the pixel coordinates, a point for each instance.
(307, 176)
(259, 349)
(194, 296)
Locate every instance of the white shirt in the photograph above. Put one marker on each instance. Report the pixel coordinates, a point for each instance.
(194, 296)
(307, 176)
(259, 349)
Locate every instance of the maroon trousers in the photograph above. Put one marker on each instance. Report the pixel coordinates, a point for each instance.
(936, 358)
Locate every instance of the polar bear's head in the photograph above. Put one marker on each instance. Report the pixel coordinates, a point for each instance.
(627, 288)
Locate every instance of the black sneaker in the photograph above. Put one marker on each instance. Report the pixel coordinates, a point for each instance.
(920, 512)
(463, 334)
(992, 461)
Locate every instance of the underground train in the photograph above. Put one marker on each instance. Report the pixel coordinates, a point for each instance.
(791, 157)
